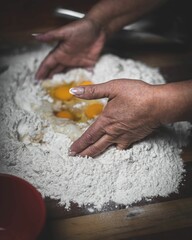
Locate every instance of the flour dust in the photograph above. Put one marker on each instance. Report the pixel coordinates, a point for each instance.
(35, 147)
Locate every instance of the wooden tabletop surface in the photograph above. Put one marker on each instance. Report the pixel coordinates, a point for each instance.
(162, 218)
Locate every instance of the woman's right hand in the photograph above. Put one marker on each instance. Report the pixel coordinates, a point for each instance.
(80, 44)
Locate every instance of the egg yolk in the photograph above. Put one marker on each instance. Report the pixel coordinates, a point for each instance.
(72, 108)
(62, 93)
(87, 82)
(65, 114)
(93, 110)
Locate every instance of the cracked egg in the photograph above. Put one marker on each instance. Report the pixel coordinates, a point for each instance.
(67, 106)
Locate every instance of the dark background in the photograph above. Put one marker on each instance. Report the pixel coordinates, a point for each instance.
(20, 18)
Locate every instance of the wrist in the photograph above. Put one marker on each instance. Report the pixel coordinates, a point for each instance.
(97, 25)
(173, 102)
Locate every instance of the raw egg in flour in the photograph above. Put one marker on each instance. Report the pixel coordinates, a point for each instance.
(85, 82)
(65, 114)
(62, 93)
(67, 106)
(93, 110)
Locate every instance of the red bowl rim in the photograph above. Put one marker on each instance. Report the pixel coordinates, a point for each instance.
(37, 195)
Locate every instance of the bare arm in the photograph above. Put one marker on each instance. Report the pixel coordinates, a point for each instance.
(112, 15)
(175, 102)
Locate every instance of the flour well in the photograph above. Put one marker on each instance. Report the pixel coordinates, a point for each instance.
(35, 146)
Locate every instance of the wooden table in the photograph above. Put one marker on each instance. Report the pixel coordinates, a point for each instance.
(162, 218)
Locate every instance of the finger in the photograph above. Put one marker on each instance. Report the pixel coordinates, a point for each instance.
(94, 91)
(98, 147)
(54, 35)
(59, 68)
(48, 64)
(89, 137)
(124, 141)
(123, 146)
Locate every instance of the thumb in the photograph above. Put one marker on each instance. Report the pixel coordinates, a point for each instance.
(54, 35)
(93, 91)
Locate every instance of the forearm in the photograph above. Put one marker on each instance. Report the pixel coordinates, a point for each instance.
(112, 15)
(174, 101)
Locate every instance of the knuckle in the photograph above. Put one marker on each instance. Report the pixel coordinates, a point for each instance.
(47, 65)
(88, 137)
(111, 131)
(91, 90)
(54, 57)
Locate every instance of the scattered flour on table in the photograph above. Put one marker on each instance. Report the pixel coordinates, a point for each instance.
(34, 145)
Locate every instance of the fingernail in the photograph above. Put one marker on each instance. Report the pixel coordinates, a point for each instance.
(35, 34)
(77, 90)
(71, 153)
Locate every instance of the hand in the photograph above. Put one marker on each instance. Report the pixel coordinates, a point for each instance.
(80, 44)
(129, 116)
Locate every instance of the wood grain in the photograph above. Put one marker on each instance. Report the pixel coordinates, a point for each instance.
(132, 222)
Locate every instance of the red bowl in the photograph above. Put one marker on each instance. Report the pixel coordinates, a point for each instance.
(22, 209)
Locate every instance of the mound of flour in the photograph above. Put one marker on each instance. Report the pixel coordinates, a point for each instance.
(31, 148)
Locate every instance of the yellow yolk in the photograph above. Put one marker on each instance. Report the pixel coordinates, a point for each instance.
(76, 109)
(65, 114)
(93, 110)
(62, 93)
(87, 82)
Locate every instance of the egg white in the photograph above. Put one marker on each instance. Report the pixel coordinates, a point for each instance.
(68, 127)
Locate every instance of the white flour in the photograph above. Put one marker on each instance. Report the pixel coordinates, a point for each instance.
(36, 148)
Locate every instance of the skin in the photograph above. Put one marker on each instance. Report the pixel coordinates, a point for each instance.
(81, 42)
(74, 48)
(135, 109)
(125, 119)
